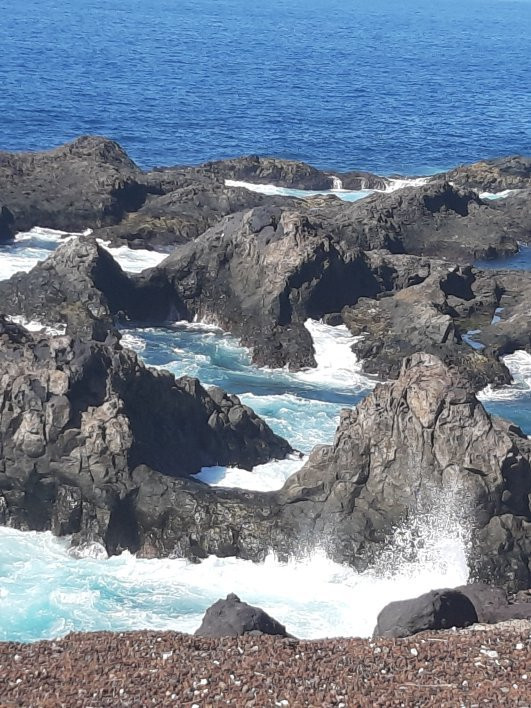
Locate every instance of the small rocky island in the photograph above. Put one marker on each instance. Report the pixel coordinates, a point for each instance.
(98, 447)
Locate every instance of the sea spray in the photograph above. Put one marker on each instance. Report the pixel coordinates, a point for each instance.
(45, 592)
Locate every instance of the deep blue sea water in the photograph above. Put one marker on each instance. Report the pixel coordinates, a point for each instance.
(411, 87)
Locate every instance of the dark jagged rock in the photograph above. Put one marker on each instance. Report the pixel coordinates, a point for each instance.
(497, 175)
(492, 604)
(358, 180)
(431, 316)
(233, 618)
(87, 432)
(87, 183)
(404, 450)
(438, 609)
(183, 214)
(7, 224)
(261, 274)
(81, 285)
(434, 220)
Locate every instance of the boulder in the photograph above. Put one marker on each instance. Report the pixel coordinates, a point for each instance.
(233, 618)
(438, 609)
(85, 184)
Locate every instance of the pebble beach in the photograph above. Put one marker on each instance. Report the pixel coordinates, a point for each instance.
(483, 666)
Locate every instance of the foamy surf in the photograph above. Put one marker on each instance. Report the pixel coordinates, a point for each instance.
(337, 365)
(273, 190)
(405, 182)
(46, 592)
(262, 478)
(39, 327)
(133, 260)
(519, 364)
(497, 195)
(28, 248)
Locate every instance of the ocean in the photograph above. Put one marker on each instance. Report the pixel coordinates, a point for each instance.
(397, 88)
(406, 87)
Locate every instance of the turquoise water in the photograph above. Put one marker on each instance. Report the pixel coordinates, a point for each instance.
(304, 408)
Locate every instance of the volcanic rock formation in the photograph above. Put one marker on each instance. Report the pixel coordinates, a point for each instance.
(96, 445)
(78, 420)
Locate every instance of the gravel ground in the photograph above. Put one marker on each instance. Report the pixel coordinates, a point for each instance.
(468, 668)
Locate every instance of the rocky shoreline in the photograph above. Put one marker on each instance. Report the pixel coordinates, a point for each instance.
(96, 446)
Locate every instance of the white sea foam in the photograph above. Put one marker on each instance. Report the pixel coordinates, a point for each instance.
(519, 364)
(337, 365)
(497, 195)
(262, 478)
(133, 260)
(45, 592)
(273, 190)
(404, 182)
(336, 190)
(34, 326)
(49, 235)
(30, 247)
(132, 341)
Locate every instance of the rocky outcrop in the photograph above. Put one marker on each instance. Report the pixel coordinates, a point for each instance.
(233, 618)
(7, 224)
(82, 286)
(431, 316)
(183, 214)
(410, 447)
(269, 170)
(261, 274)
(359, 180)
(85, 184)
(438, 609)
(87, 432)
(435, 220)
(96, 446)
(497, 175)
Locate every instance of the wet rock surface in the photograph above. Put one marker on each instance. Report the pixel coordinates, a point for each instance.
(233, 618)
(438, 609)
(164, 668)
